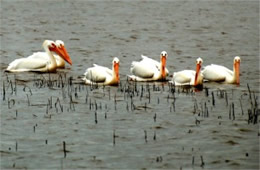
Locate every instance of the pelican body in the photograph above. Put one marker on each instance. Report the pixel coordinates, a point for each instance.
(220, 73)
(59, 60)
(38, 64)
(148, 69)
(103, 75)
(189, 77)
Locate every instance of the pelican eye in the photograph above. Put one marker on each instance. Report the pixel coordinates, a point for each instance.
(53, 45)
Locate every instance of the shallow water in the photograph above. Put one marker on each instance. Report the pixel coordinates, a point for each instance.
(122, 127)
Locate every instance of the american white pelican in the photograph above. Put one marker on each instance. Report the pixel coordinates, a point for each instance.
(103, 75)
(189, 77)
(59, 60)
(39, 65)
(148, 69)
(220, 73)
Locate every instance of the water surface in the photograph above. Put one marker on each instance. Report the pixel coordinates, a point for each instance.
(133, 126)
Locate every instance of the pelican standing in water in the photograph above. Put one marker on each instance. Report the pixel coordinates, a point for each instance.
(103, 75)
(189, 77)
(59, 60)
(148, 69)
(38, 64)
(220, 73)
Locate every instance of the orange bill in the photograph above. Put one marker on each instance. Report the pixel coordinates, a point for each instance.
(163, 61)
(64, 54)
(116, 69)
(197, 73)
(55, 49)
(237, 67)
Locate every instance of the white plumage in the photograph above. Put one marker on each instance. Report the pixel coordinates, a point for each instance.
(189, 77)
(103, 75)
(38, 64)
(220, 73)
(148, 69)
(59, 60)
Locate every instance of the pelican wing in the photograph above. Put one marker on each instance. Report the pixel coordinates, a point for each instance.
(143, 70)
(105, 69)
(216, 72)
(39, 55)
(96, 74)
(184, 77)
(44, 56)
(151, 61)
(27, 64)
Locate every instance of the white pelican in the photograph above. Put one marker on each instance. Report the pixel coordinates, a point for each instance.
(189, 77)
(220, 73)
(59, 60)
(103, 75)
(148, 69)
(39, 65)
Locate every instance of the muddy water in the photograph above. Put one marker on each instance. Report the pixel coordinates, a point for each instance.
(132, 126)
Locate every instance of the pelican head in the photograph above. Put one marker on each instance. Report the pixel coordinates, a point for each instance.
(62, 51)
(49, 44)
(237, 69)
(199, 61)
(59, 43)
(237, 59)
(164, 54)
(163, 64)
(115, 60)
